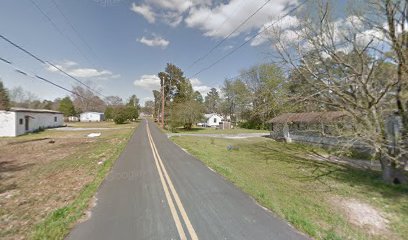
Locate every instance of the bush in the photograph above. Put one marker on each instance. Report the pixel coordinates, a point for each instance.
(120, 115)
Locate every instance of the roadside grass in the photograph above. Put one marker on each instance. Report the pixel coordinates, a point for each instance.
(304, 192)
(104, 124)
(46, 187)
(209, 130)
(59, 222)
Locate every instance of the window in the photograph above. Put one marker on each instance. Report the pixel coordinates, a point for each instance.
(21, 121)
(55, 119)
(215, 120)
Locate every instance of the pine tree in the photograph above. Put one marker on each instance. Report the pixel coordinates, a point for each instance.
(4, 98)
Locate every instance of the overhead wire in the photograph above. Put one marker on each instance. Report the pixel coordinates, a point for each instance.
(35, 76)
(247, 41)
(229, 35)
(48, 63)
(73, 27)
(55, 26)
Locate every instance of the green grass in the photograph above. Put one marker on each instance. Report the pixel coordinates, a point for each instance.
(200, 130)
(57, 224)
(105, 124)
(300, 190)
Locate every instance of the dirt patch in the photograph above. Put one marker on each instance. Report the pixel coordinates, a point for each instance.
(364, 215)
(38, 176)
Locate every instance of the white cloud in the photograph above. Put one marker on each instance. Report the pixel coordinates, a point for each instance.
(287, 25)
(175, 5)
(172, 19)
(154, 41)
(169, 12)
(74, 70)
(148, 82)
(199, 86)
(222, 19)
(145, 11)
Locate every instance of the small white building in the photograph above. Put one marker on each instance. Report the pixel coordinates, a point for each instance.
(19, 121)
(212, 120)
(72, 119)
(91, 117)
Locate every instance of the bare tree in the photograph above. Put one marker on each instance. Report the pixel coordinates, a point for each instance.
(85, 100)
(113, 101)
(347, 68)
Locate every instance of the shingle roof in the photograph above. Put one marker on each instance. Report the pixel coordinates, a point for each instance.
(308, 117)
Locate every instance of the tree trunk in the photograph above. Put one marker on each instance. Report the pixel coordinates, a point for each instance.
(393, 173)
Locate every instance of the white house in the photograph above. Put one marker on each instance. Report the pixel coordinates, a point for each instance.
(18, 121)
(91, 117)
(212, 120)
(72, 119)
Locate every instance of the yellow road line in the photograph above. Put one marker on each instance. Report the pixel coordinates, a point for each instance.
(180, 206)
(173, 210)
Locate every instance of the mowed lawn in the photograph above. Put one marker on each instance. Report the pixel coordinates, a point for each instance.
(48, 178)
(210, 130)
(104, 124)
(324, 200)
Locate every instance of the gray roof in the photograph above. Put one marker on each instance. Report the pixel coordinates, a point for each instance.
(15, 109)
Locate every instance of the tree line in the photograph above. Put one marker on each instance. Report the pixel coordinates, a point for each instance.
(84, 100)
(249, 101)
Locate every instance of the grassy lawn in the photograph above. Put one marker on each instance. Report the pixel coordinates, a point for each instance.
(95, 124)
(202, 130)
(49, 178)
(324, 200)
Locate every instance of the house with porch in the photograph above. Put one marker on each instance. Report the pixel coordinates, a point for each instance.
(313, 127)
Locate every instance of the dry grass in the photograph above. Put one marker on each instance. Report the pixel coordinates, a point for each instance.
(43, 172)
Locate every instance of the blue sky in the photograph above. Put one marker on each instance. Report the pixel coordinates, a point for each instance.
(118, 46)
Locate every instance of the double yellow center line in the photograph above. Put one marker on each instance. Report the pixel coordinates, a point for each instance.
(170, 191)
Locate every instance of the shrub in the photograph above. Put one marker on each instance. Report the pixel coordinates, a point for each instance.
(120, 115)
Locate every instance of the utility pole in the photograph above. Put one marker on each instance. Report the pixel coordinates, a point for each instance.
(162, 116)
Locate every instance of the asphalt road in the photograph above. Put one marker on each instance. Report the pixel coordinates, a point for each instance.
(157, 191)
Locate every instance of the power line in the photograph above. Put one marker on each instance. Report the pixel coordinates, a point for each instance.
(48, 63)
(228, 17)
(18, 70)
(302, 57)
(73, 27)
(248, 40)
(58, 29)
(230, 34)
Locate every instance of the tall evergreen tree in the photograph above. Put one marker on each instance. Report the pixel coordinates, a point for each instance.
(4, 98)
(66, 106)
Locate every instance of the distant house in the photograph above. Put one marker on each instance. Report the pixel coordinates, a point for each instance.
(19, 121)
(91, 117)
(72, 119)
(211, 120)
(306, 127)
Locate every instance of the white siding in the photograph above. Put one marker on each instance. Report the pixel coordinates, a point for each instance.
(214, 120)
(38, 120)
(91, 117)
(8, 123)
(14, 123)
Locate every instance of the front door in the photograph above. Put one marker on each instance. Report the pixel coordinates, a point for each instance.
(27, 123)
